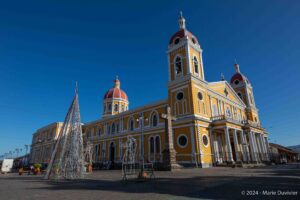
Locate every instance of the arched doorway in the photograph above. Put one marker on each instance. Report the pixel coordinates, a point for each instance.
(112, 152)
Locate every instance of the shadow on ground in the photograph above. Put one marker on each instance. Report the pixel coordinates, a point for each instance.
(207, 185)
(220, 187)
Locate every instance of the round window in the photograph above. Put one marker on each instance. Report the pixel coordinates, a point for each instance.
(176, 41)
(179, 96)
(200, 96)
(182, 140)
(236, 82)
(205, 140)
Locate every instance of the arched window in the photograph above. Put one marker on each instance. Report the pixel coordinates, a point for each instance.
(116, 107)
(178, 65)
(109, 107)
(151, 145)
(239, 117)
(117, 127)
(131, 124)
(123, 108)
(99, 131)
(108, 130)
(228, 113)
(157, 144)
(154, 119)
(113, 128)
(240, 95)
(196, 65)
(215, 111)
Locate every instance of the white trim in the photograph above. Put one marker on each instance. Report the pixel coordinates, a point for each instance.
(193, 142)
(179, 88)
(242, 104)
(187, 49)
(145, 108)
(169, 68)
(172, 48)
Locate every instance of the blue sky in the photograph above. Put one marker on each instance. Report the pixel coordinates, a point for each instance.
(46, 46)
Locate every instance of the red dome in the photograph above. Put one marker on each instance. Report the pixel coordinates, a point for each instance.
(116, 92)
(181, 34)
(240, 77)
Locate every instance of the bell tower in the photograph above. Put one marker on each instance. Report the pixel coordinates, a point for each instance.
(185, 67)
(184, 54)
(242, 86)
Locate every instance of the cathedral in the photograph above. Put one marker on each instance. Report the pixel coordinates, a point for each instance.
(213, 123)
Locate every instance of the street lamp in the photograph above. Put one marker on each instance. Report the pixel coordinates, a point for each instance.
(26, 148)
(141, 120)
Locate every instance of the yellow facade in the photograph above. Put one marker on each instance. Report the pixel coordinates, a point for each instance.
(43, 142)
(215, 123)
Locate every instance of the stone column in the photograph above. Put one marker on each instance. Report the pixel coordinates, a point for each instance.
(235, 141)
(267, 147)
(244, 147)
(212, 144)
(252, 147)
(229, 150)
(264, 147)
(259, 149)
(193, 143)
(140, 148)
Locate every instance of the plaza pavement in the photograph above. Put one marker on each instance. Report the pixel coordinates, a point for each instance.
(212, 183)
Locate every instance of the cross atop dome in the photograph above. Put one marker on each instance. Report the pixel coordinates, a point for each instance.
(181, 21)
(237, 67)
(117, 82)
(222, 77)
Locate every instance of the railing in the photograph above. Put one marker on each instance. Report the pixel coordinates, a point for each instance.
(231, 119)
(251, 123)
(217, 118)
(245, 157)
(224, 117)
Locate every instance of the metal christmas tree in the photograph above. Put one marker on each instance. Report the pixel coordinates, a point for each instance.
(67, 160)
(129, 158)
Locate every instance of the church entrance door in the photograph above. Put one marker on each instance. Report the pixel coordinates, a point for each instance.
(112, 152)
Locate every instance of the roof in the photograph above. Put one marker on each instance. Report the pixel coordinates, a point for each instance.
(239, 76)
(181, 34)
(116, 92)
(282, 148)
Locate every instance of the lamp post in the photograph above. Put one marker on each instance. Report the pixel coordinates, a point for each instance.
(26, 148)
(141, 120)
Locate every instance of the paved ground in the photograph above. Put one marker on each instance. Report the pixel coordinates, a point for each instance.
(213, 183)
